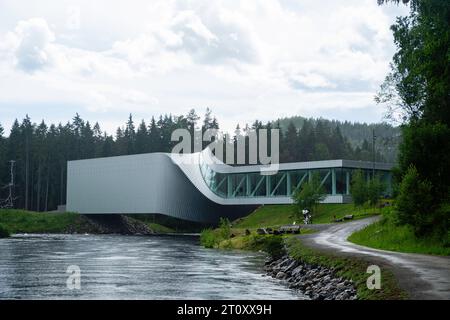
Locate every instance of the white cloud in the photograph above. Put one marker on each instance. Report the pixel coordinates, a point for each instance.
(33, 39)
(245, 59)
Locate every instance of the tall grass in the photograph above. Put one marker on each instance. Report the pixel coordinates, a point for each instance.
(386, 234)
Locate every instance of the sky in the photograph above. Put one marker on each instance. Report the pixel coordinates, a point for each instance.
(245, 60)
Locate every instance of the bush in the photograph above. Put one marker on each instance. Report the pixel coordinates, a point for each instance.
(427, 147)
(225, 228)
(208, 238)
(271, 244)
(4, 233)
(415, 205)
(363, 191)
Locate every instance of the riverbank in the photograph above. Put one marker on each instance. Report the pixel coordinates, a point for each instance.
(20, 221)
(315, 281)
(319, 274)
(348, 268)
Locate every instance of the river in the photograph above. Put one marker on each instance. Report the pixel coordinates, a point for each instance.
(131, 267)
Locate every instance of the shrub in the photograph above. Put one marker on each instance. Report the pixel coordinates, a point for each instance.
(271, 244)
(208, 238)
(415, 205)
(225, 228)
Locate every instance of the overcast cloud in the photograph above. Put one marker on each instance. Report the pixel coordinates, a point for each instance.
(244, 59)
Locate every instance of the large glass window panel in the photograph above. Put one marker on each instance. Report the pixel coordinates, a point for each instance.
(278, 184)
(257, 184)
(297, 177)
(220, 185)
(239, 184)
(340, 180)
(325, 177)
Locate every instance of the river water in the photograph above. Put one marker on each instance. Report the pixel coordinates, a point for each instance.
(131, 267)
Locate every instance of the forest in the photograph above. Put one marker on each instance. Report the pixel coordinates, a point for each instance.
(41, 150)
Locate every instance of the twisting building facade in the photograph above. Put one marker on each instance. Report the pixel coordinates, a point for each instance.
(197, 187)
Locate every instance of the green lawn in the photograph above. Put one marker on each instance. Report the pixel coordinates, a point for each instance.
(386, 235)
(277, 215)
(20, 221)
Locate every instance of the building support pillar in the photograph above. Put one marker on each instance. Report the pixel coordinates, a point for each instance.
(288, 184)
(268, 186)
(333, 181)
(347, 182)
(229, 186)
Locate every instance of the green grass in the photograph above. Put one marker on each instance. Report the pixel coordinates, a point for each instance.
(158, 228)
(20, 221)
(4, 232)
(349, 268)
(278, 215)
(385, 234)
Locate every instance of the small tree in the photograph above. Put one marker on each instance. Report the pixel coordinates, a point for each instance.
(375, 188)
(358, 188)
(225, 228)
(309, 195)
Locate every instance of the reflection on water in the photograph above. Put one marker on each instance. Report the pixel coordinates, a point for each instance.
(131, 267)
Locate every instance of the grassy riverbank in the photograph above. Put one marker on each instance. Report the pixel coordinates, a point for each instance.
(386, 234)
(348, 268)
(21, 221)
(274, 216)
(234, 237)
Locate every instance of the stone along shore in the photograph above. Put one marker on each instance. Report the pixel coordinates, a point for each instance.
(316, 282)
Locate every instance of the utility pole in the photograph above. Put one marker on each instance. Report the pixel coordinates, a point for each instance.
(8, 203)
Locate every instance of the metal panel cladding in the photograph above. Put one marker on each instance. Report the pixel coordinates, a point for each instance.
(141, 184)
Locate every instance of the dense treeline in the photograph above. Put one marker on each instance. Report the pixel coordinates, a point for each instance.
(41, 151)
(417, 90)
(387, 137)
(321, 139)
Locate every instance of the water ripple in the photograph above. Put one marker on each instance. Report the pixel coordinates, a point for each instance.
(127, 267)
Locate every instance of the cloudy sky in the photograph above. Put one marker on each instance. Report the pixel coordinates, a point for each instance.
(246, 60)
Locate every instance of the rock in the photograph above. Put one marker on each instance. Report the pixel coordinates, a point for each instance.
(291, 266)
(316, 282)
(297, 270)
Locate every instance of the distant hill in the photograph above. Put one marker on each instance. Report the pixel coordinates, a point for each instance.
(357, 134)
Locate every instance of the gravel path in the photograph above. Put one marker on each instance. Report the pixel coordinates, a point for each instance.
(422, 276)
